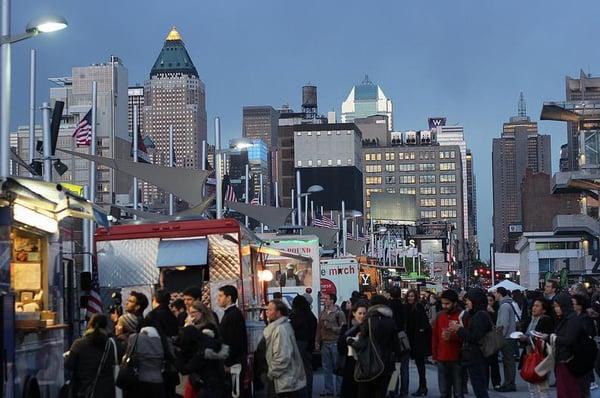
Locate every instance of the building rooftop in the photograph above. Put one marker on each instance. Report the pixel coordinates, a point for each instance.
(173, 57)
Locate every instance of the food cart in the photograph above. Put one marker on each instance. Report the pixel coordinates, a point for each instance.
(32, 305)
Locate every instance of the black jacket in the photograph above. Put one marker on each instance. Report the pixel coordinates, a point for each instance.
(385, 336)
(304, 324)
(399, 311)
(418, 330)
(477, 324)
(233, 332)
(164, 321)
(84, 359)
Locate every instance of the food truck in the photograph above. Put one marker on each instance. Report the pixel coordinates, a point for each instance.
(340, 276)
(33, 309)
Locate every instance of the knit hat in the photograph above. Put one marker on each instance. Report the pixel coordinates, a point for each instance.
(129, 322)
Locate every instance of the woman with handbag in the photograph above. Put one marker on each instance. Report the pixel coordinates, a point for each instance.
(346, 361)
(91, 360)
(473, 332)
(540, 322)
(418, 330)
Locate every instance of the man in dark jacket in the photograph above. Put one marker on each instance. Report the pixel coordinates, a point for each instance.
(472, 331)
(161, 316)
(399, 315)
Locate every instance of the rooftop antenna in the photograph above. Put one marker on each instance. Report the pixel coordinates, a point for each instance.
(522, 106)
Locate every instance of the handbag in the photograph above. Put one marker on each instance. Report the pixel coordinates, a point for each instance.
(118, 391)
(128, 375)
(369, 365)
(531, 361)
(169, 371)
(547, 364)
(404, 342)
(492, 342)
(90, 390)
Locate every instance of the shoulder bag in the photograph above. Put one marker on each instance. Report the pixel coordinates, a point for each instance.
(90, 390)
(128, 375)
(532, 359)
(492, 342)
(369, 365)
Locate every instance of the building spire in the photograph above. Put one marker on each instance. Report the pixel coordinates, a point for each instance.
(173, 34)
(522, 111)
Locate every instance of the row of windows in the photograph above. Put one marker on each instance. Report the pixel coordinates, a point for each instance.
(319, 162)
(406, 155)
(310, 133)
(433, 213)
(423, 179)
(447, 166)
(401, 190)
(433, 202)
(556, 245)
(376, 168)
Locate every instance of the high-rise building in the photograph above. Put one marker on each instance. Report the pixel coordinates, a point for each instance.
(256, 156)
(260, 122)
(519, 148)
(366, 99)
(586, 88)
(472, 205)
(175, 96)
(136, 97)
(113, 140)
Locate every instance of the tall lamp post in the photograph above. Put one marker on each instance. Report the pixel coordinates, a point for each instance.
(35, 27)
(312, 189)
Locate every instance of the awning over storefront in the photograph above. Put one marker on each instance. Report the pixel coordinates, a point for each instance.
(182, 252)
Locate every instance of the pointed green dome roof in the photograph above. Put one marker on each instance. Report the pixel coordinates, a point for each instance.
(173, 57)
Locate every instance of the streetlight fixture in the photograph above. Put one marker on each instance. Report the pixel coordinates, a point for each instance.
(312, 189)
(40, 25)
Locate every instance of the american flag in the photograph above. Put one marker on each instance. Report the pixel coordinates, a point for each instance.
(255, 202)
(83, 131)
(94, 303)
(230, 194)
(322, 221)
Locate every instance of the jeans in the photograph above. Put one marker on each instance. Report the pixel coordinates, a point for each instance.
(540, 390)
(329, 356)
(420, 362)
(403, 385)
(450, 379)
(306, 355)
(508, 363)
(478, 379)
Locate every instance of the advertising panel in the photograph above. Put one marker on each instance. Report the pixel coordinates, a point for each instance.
(339, 276)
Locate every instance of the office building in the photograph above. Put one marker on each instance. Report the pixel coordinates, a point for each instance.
(367, 99)
(472, 242)
(587, 89)
(519, 148)
(260, 123)
(113, 140)
(174, 96)
(256, 156)
(136, 97)
(374, 130)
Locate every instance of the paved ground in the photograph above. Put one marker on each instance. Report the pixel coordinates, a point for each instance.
(432, 386)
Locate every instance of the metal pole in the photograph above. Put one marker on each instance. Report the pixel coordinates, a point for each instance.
(298, 197)
(135, 158)
(306, 208)
(372, 239)
(344, 227)
(312, 209)
(32, 107)
(218, 170)
(293, 207)
(203, 163)
(322, 213)
(5, 74)
(47, 141)
(492, 263)
(262, 203)
(171, 156)
(247, 189)
(87, 266)
(276, 193)
(93, 143)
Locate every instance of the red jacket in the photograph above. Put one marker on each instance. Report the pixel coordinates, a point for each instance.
(445, 350)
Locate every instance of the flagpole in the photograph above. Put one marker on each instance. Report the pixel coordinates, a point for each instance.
(86, 233)
(306, 209)
(276, 193)
(293, 206)
(262, 203)
(246, 189)
(218, 170)
(171, 156)
(322, 214)
(135, 157)
(32, 108)
(203, 162)
(92, 188)
(298, 197)
(312, 209)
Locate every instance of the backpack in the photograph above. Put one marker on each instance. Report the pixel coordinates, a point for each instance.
(584, 356)
(369, 364)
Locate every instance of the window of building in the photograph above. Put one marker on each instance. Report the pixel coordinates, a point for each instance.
(368, 204)
(390, 190)
(390, 168)
(329, 162)
(447, 166)
(427, 190)
(427, 167)
(369, 191)
(349, 161)
(448, 202)
(339, 162)
(299, 133)
(373, 168)
(452, 154)
(338, 132)
(367, 156)
(389, 155)
(299, 163)
(390, 179)
(318, 162)
(310, 163)
(448, 214)
(428, 202)
(401, 155)
(373, 181)
(318, 133)
(407, 190)
(447, 190)
(406, 179)
(447, 177)
(428, 214)
(556, 245)
(406, 167)
(378, 156)
(427, 179)
(310, 133)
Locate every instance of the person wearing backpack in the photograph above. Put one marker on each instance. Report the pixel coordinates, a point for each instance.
(472, 331)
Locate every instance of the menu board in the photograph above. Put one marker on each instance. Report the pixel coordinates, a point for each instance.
(27, 276)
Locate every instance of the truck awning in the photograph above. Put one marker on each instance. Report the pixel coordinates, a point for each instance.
(182, 252)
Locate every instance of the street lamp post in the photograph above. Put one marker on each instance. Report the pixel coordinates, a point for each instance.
(40, 25)
(312, 189)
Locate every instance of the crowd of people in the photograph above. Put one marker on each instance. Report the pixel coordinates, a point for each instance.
(365, 345)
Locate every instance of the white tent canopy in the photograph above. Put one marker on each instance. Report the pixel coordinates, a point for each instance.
(508, 285)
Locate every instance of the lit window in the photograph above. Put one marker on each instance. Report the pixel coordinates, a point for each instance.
(329, 162)
(299, 163)
(339, 162)
(318, 162)
(310, 163)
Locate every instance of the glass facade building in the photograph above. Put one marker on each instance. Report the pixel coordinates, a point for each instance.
(366, 99)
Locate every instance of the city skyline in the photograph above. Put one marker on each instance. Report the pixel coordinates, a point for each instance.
(467, 73)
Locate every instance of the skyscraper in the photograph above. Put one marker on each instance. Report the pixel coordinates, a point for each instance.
(136, 97)
(586, 88)
(366, 99)
(175, 96)
(260, 123)
(520, 147)
(472, 205)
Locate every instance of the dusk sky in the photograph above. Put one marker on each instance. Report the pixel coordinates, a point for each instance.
(466, 60)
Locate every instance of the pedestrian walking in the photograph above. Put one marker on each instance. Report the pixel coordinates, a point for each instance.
(399, 315)
(346, 353)
(581, 303)
(329, 326)
(472, 330)
(445, 347)
(418, 330)
(282, 355)
(304, 324)
(506, 322)
(91, 360)
(493, 366)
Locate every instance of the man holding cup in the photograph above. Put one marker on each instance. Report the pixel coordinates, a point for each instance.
(445, 347)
